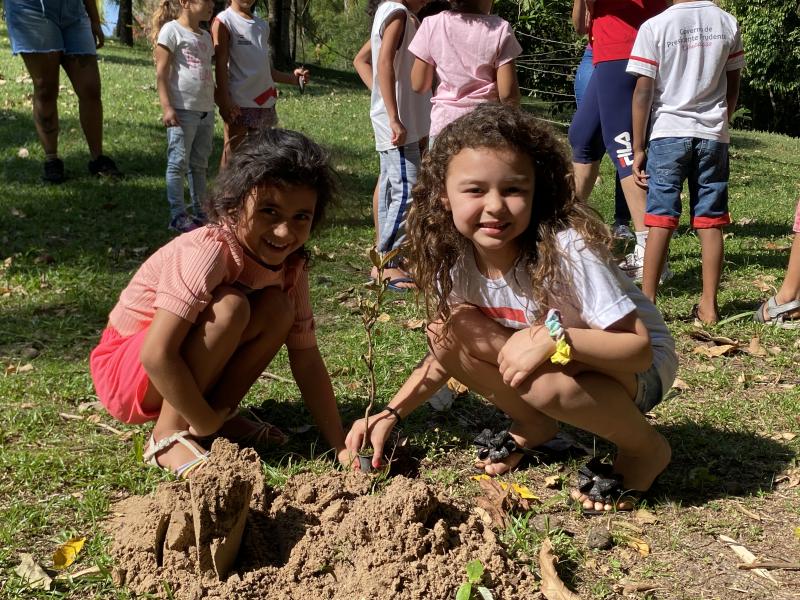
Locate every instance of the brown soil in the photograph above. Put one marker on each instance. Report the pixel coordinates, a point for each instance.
(320, 537)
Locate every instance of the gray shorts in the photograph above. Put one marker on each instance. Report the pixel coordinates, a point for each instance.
(650, 390)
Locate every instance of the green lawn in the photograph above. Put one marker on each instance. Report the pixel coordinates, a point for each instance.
(67, 251)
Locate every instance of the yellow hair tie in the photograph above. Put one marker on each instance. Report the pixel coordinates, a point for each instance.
(563, 352)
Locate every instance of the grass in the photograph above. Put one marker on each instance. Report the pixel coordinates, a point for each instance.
(67, 251)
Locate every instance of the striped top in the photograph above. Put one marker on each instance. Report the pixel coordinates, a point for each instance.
(182, 275)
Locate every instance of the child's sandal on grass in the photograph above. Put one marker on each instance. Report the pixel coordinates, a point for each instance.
(779, 315)
(179, 437)
(494, 447)
(263, 434)
(600, 484)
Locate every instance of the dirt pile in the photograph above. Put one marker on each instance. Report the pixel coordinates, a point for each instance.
(321, 536)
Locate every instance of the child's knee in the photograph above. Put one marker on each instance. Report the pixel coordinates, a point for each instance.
(551, 389)
(274, 309)
(230, 308)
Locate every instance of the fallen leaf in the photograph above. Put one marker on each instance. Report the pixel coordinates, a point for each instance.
(95, 406)
(33, 573)
(639, 545)
(414, 324)
(552, 587)
(484, 516)
(458, 388)
(384, 318)
(715, 351)
(705, 368)
(637, 587)
(755, 348)
(775, 350)
(680, 384)
(492, 501)
(746, 556)
(765, 283)
(784, 436)
(645, 517)
(67, 552)
(704, 336)
(79, 574)
(523, 492)
(553, 481)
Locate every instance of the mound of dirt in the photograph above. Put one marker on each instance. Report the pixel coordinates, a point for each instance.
(321, 536)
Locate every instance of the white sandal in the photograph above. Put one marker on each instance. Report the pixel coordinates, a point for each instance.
(182, 472)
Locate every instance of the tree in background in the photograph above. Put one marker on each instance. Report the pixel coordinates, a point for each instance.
(124, 28)
(770, 85)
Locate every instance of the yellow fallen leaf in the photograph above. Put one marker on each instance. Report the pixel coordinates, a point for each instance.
(67, 552)
(552, 481)
(640, 545)
(524, 492)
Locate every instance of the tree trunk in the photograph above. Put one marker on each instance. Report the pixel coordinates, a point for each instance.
(280, 33)
(124, 30)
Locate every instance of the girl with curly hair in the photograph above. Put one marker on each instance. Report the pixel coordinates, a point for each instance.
(526, 307)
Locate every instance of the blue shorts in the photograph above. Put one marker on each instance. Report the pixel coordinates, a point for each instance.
(603, 121)
(671, 161)
(40, 26)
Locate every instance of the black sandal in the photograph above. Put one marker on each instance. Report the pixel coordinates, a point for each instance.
(494, 447)
(599, 483)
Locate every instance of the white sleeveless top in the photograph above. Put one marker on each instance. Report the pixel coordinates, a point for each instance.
(249, 66)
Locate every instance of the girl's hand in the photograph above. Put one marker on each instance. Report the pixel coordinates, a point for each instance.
(170, 118)
(98, 35)
(380, 426)
(347, 458)
(302, 74)
(398, 132)
(229, 111)
(523, 353)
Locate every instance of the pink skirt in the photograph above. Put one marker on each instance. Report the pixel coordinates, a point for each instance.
(119, 377)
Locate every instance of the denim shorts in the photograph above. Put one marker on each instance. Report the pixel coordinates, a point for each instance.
(40, 26)
(704, 163)
(650, 389)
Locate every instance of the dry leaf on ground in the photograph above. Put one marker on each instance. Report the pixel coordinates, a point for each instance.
(384, 318)
(67, 552)
(746, 556)
(715, 351)
(458, 388)
(645, 517)
(755, 348)
(33, 573)
(552, 586)
(414, 324)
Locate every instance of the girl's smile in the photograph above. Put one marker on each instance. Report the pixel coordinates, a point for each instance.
(275, 222)
(490, 194)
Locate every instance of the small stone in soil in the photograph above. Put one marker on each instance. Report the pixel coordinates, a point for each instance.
(599, 538)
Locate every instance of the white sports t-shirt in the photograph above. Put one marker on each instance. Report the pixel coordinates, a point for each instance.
(190, 85)
(688, 49)
(414, 110)
(249, 66)
(602, 296)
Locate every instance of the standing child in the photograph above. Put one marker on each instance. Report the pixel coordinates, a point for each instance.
(689, 61)
(400, 119)
(472, 54)
(204, 316)
(498, 240)
(183, 54)
(246, 91)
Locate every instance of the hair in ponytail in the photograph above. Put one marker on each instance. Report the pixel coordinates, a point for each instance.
(167, 10)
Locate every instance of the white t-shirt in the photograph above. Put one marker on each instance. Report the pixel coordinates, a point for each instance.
(249, 67)
(191, 85)
(413, 109)
(602, 296)
(688, 49)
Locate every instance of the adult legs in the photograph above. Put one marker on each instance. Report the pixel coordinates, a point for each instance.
(44, 71)
(84, 74)
(711, 248)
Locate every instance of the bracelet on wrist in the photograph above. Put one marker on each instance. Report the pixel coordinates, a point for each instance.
(393, 411)
(563, 351)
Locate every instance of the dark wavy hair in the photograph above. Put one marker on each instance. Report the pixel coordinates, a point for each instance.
(435, 245)
(272, 157)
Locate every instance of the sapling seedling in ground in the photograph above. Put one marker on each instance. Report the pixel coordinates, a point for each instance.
(370, 309)
(472, 588)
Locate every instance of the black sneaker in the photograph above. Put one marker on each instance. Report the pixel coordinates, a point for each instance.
(53, 171)
(103, 166)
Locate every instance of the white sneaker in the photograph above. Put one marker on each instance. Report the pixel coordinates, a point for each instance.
(442, 400)
(622, 232)
(633, 267)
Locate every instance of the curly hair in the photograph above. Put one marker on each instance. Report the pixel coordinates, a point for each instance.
(435, 245)
(272, 157)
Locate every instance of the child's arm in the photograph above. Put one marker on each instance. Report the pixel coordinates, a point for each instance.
(292, 78)
(581, 15)
(623, 347)
(428, 376)
(163, 59)
(168, 372)
(642, 101)
(94, 21)
(315, 386)
(732, 95)
(363, 64)
(421, 76)
(392, 38)
(507, 85)
(228, 109)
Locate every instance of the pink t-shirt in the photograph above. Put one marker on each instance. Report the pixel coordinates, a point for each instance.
(466, 50)
(182, 275)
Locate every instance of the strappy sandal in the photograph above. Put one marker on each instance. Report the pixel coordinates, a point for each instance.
(263, 434)
(777, 313)
(599, 483)
(494, 447)
(179, 437)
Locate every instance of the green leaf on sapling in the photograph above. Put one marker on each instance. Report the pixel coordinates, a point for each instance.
(485, 593)
(474, 571)
(464, 591)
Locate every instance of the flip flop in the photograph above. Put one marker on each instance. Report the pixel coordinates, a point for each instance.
(777, 313)
(392, 284)
(599, 483)
(179, 437)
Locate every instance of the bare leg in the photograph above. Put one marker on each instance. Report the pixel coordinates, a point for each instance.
(790, 288)
(585, 178)
(711, 247)
(636, 198)
(655, 256)
(85, 77)
(229, 343)
(44, 71)
(233, 135)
